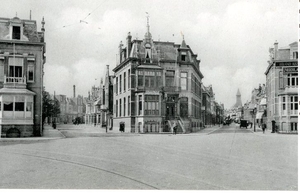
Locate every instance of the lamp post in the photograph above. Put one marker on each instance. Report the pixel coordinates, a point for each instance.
(254, 114)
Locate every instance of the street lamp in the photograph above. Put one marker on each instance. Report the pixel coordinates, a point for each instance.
(254, 114)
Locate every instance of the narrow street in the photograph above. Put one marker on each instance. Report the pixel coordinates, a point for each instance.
(217, 158)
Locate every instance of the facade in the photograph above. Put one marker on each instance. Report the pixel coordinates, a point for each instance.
(22, 58)
(282, 88)
(206, 105)
(157, 85)
(93, 102)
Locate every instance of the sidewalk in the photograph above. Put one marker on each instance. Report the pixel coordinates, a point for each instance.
(48, 133)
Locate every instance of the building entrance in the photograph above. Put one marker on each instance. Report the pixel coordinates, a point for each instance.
(170, 113)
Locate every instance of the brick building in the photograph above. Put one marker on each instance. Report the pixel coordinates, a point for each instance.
(157, 85)
(282, 88)
(22, 58)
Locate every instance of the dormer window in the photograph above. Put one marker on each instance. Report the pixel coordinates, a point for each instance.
(148, 51)
(16, 32)
(295, 55)
(183, 56)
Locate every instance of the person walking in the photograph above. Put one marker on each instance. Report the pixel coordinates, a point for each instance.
(175, 129)
(264, 127)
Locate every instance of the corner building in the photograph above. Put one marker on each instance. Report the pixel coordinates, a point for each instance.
(157, 85)
(22, 58)
(282, 88)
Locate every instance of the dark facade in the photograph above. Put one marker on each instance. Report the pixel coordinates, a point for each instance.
(22, 57)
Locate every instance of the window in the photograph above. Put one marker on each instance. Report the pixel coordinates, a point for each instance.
(15, 67)
(16, 32)
(183, 56)
(170, 78)
(19, 106)
(283, 105)
(117, 82)
(129, 79)
(30, 73)
(151, 105)
(124, 106)
(281, 85)
(140, 78)
(8, 106)
(294, 126)
(140, 104)
(120, 78)
(1, 70)
(128, 106)
(183, 80)
(292, 79)
(158, 79)
(116, 108)
(295, 55)
(120, 114)
(149, 79)
(124, 81)
(148, 51)
(294, 105)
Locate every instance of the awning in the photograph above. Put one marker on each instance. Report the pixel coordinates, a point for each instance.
(259, 115)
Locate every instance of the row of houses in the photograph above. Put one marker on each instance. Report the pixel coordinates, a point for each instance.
(276, 102)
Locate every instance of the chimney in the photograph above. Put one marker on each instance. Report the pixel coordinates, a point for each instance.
(74, 94)
(275, 49)
(120, 51)
(128, 45)
(107, 70)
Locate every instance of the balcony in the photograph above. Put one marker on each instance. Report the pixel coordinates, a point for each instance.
(14, 82)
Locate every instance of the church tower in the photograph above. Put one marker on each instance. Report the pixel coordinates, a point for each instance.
(238, 99)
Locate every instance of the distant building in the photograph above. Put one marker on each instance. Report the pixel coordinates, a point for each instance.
(157, 85)
(207, 92)
(22, 59)
(282, 87)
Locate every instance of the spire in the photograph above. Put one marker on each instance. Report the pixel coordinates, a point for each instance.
(238, 92)
(148, 34)
(43, 23)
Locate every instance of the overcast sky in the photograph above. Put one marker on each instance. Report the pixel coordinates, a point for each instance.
(231, 37)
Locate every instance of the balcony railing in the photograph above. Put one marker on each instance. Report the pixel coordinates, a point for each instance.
(17, 80)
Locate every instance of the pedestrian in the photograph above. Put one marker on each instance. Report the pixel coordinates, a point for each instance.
(263, 127)
(273, 126)
(174, 129)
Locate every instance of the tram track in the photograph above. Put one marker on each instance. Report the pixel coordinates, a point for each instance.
(85, 165)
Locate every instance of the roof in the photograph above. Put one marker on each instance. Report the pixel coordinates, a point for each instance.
(16, 91)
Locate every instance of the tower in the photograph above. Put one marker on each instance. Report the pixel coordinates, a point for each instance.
(238, 99)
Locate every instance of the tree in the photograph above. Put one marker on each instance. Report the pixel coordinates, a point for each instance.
(51, 107)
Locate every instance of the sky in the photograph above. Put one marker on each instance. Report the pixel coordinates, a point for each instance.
(231, 37)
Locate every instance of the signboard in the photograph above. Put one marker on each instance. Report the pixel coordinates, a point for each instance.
(286, 63)
(290, 70)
